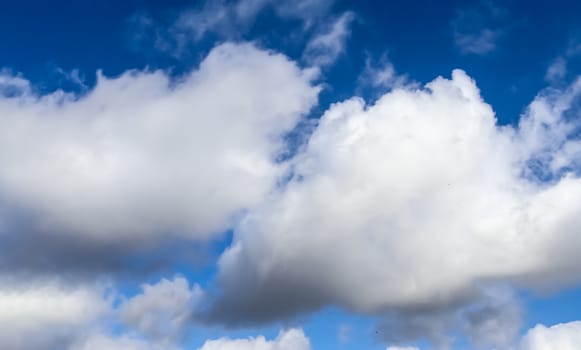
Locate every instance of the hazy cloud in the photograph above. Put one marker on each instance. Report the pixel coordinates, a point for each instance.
(557, 70)
(477, 29)
(379, 75)
(227, 20)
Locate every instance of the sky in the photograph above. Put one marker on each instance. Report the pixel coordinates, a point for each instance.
(290, 175)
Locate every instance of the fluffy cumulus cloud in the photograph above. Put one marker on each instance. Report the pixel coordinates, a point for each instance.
(47, 314)
(292, 339)
(163, 309)
(419, 202)
(155, 318)
(565, 336)
(94, 180)
(53, 314)
(142, 156)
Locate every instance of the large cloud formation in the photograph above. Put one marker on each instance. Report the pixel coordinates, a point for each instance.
(143, 157)
(419, 202)
(419, 208)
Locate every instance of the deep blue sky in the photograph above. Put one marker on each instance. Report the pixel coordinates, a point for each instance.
(37, 37)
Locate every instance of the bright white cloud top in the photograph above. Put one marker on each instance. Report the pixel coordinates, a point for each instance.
(565, 336)
(292, 339)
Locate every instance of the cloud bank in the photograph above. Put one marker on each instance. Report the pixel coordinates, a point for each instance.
(419, 208)
(417, 203)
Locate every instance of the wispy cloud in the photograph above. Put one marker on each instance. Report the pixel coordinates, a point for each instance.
(380, 75)
(477, 29)
(226, 20)
(557, 71)
(326, 46)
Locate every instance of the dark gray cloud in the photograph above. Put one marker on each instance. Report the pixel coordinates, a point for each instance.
(490, 319)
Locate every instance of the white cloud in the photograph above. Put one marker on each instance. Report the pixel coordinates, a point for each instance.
(142, 157)
(51, 314)
(564, 336)
(402, 348)
(381, 75)
(324, 48)
(47, 314)
(292, 339)
(420, 200)
(162, 309)
(13, 85)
